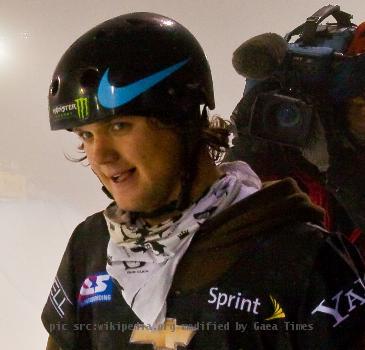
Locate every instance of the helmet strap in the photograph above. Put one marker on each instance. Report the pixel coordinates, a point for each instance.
(191, 145)
(108, 194)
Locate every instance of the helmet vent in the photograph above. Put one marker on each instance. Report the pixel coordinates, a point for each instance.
(89, 78)
(171, 91)
(54, 87)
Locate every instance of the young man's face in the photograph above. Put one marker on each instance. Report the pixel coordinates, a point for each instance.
(136, 160)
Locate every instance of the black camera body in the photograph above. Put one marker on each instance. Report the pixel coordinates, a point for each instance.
(310, 72)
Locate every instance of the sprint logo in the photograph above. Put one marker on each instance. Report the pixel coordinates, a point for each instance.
(238, 301)
(95, 289)
(278, 311)
(235, 301)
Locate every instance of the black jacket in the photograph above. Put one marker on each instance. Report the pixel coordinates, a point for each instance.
(256, 276)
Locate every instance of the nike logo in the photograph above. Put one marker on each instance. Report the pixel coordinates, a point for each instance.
(110, 96)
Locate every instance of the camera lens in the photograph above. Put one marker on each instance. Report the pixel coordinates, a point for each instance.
(281, 118)
(286, 116)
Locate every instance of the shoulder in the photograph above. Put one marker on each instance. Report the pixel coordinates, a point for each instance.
(304, 258)
(308, 242)
(298, 235)
(92, 221)
(92, 230)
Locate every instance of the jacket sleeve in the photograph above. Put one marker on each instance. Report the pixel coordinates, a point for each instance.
(51, 345)
(60, 312)
(334, 306)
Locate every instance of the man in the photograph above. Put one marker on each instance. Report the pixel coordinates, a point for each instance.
(330, 167)
(188, 254)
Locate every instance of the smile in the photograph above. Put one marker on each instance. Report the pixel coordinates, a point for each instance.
(123, 176)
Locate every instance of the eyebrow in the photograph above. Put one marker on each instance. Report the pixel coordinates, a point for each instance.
(106, 121)
(78, 128)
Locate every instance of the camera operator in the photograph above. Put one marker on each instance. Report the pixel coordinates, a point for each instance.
(330, 165)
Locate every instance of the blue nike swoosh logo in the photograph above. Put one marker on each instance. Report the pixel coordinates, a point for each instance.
(110, 96)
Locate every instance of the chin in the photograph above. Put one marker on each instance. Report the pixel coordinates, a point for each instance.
(128, 205)
(121, 205)
(142, 201)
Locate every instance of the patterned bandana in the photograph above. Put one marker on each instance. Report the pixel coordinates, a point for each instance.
(142, 259)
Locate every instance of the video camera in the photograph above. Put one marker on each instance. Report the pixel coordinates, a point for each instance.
(312, 68)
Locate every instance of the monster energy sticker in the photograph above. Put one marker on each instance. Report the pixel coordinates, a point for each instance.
(80, 105)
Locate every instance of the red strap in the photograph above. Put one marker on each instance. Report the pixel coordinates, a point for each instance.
(357, 44)
(355, 234)
(318, 195)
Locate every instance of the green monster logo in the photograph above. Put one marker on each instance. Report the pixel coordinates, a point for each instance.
(82, 106)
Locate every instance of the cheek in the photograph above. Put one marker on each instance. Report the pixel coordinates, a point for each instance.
(89, 159)
(162, 159)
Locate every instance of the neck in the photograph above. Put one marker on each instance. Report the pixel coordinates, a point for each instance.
(207, 173)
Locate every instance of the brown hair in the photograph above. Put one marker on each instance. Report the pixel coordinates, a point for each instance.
(216, 137)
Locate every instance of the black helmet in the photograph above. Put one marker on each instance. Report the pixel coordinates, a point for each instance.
(135, 64)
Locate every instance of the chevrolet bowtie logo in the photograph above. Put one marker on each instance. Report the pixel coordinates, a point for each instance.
(169, 337)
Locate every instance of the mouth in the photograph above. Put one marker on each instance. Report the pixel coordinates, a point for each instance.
(122, 176)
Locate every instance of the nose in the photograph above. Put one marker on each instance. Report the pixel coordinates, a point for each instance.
(103, 150)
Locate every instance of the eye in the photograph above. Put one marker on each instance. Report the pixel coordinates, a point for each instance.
(119, 125)
(84, 135)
